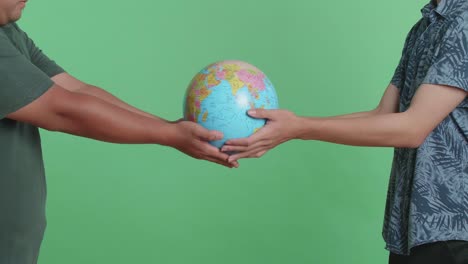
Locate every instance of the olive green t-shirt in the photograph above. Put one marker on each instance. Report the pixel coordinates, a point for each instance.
(25, 73)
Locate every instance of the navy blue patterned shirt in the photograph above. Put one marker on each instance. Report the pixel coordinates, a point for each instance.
(427, 198)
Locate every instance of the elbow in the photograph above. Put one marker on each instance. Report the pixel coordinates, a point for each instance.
(414, 143)
(62, 109)
(414, 139)
(412, 133)
(56, 121)
(52, 111)
(51, 127)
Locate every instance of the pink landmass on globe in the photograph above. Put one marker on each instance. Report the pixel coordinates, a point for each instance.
(254, 79)
(220, 75)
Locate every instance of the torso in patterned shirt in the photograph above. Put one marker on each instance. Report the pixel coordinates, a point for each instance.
(428, 190)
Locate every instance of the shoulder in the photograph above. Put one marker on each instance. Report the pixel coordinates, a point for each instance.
(414, 33)
(12, 27)
(458, 20)
(7, 48)
(417, 26)
(416, 30)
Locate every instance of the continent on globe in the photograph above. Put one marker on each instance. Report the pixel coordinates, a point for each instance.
(219, 96)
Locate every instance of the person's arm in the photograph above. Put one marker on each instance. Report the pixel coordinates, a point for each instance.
(430, 105)
(88, 116)
(74, 85)
(388, 104)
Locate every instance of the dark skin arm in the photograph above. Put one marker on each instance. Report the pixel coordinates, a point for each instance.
(89, 116)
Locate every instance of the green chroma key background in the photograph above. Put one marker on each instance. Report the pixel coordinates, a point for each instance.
(304, 202)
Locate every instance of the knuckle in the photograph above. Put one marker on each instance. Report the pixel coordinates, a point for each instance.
(192, 133)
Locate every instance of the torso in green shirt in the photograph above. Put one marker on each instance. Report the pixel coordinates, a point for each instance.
(24, 76)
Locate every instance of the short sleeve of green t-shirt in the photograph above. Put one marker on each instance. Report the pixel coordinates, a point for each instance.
(38, 58)
(21, 80)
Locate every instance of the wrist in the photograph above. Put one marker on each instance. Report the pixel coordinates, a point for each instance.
(307, 128)
(166, 134)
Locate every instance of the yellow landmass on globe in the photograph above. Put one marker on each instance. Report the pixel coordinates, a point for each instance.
(236, 84)
(205, 116)
(198, 93)
(211, 78)
(231, 67)
(230, 76)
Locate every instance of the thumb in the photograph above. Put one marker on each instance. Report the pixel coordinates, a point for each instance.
(261, 113)
(208, 135)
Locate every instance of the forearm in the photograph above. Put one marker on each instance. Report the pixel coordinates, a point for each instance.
(386, 130)
(108, 97)
(88, 116)
(353, 115)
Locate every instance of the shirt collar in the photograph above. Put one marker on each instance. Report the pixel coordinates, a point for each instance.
(444, 9)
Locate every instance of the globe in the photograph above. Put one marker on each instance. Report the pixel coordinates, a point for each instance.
(219, 96)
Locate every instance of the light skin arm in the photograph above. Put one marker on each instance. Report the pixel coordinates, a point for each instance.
(388, 104)
(430, 105)
(84, 115)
